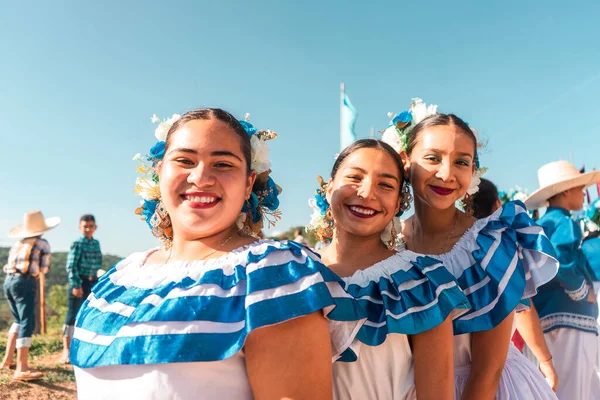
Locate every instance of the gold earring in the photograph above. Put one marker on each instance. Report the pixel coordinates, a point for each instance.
(161, 225)
(406, 197)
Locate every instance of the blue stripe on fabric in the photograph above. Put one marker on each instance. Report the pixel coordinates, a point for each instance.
(280, 275)
(511, 243)
(422, 294)
(157, 349)
(208, 346)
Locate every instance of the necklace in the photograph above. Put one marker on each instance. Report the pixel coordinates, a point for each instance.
(443, 246)
(206, 255)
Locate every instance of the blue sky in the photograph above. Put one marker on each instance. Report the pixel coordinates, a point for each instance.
(79, 82)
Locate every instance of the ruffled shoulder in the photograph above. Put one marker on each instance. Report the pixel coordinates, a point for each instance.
(501, 260)
(405, 294)
(204, 310)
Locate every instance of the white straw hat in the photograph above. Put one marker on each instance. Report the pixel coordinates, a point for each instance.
(555, 178)
(34, 224)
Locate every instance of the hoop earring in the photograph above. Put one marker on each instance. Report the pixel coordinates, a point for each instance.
(391, 244)
(161, 225)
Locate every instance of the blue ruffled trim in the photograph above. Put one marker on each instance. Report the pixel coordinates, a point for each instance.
(512, 258)
(227, 321)
(405, 297)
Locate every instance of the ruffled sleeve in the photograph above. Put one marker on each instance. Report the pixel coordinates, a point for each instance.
(404, 295)
(501, 260)
(205, 310)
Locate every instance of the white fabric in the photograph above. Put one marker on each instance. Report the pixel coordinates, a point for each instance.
(574, 354)
(383, 372)
(223, 380)
(24, 342)
(520, 380)
(14, 328)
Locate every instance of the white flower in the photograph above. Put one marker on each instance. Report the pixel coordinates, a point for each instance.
(391, 137)
(240, 220)
(317, 221)
(138, 157)
(163, 126)
(154, 119)
(474, 187)
(592, 226)
(147, 189)
(520, 196)
(420, 110)
(260, 155)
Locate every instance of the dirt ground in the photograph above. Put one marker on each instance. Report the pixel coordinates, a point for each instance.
(59, 383)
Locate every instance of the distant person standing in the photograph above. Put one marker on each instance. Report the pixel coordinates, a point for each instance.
(28, 257)
(567, 304)
(83, 262)
(298, 238)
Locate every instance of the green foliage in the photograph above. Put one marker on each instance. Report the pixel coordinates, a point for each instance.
(56, 305)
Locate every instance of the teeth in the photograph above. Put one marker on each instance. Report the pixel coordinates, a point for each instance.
(202, 199)
(362, 211)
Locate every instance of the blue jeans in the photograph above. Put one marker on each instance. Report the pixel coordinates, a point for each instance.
(20, 291)
(74, 304)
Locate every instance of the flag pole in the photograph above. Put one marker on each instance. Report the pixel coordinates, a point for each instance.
(342, 90)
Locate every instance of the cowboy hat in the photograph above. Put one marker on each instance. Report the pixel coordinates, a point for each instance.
(557, 177)
(34, 224)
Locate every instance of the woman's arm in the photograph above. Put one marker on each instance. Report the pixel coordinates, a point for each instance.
(528, 325)
(291, 360)
(433, 352)
(488, 352)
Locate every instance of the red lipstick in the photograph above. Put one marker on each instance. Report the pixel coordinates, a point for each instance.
(441, 191)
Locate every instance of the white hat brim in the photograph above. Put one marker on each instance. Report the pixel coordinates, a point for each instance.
(19, 231)
(539, 198)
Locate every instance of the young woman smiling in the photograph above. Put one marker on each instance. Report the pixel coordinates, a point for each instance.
(406, 345)
(497, 261)
(215, 314)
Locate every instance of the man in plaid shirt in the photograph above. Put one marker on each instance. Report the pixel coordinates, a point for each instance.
(83, 262)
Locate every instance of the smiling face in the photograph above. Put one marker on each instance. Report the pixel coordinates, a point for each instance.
(364, 194)
(441, 165)
(204, 179)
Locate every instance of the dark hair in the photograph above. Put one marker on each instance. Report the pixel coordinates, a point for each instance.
(439, 120)
(484, 200)
(220, 115)
(87, 218)
(369, 144)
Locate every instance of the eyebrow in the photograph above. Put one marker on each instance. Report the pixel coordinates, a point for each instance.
(214, 153)
(383, 175)
(442, 151)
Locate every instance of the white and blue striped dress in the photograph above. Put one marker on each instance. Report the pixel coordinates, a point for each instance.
(177, 330)
(403, 295)
(500, 261)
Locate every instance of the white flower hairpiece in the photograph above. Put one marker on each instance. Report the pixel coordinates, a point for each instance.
(317, 219)
(163, 126)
